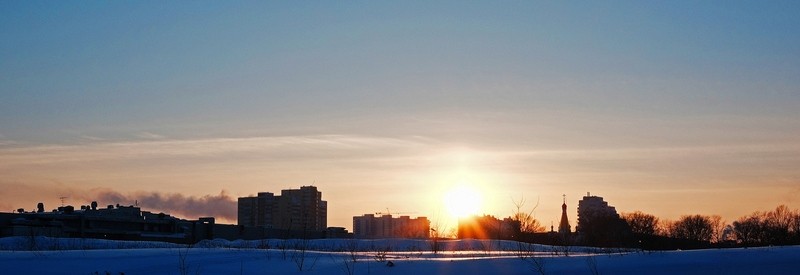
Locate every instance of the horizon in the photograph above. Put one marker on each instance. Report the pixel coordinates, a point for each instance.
(672, 109)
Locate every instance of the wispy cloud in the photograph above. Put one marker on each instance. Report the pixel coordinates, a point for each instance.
(350, 147)
(149, 135)
(5, 142)
(663, 152)
(286, 146)
(92, 138)
(183, 171)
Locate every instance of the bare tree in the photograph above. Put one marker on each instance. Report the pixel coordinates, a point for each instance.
(537, 264)
(693, 227)
(300, 254)
(777, 227)
(438, 231)
(592, 263)
(748, 229)
(778, 223)
(641, 223)
(183, 265)
(527, 220)
(348, 261)
(781, 217)
(664, 227)
(794, 228)
(718, 228)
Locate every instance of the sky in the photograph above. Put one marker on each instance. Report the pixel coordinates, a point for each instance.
(666, 107)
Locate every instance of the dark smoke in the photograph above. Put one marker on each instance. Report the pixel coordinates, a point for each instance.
(220, 206)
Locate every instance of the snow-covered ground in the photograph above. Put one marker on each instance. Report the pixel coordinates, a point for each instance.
(76, 256)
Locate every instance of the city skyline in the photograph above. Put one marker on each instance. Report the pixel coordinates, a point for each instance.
(670, 108)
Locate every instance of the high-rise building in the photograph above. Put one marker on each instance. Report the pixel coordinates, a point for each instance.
(257, 211)
(593, 209)
(599, 224)
(294, 209)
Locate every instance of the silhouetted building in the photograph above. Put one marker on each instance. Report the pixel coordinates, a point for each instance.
(599, 224)
(592, 208)
(114, 222)
(131, 223)
(371, 227)
(338, 233)
(256, 211)
(488, 227)
(563, 226)
(295, 209)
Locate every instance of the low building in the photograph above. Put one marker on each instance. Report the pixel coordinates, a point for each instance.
(113, 222)
(488, 227)
(338, 233)
(371, 227)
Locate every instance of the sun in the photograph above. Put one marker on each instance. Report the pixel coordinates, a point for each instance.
(462, 201)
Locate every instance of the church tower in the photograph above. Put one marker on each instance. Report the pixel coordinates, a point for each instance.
(564, 227)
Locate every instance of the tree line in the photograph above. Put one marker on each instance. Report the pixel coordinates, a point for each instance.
(776, 227)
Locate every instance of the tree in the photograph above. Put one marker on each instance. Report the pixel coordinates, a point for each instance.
(777, 227)
(693, 227)
(664, 227)
(748, 229)
(528, 224)
(527, 220)
(794, 228)
(641, 223)
(718, 228)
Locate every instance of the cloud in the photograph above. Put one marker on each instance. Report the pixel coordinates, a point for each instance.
(148, 135)
(4, 141)
(191, 207)
(92, 138)
(284, 146)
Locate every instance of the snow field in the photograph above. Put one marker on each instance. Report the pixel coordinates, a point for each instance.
(371, 256)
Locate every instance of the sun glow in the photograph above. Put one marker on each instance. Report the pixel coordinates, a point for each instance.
(462, 201)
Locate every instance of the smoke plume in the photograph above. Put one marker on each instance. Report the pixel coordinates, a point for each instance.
(220, 206)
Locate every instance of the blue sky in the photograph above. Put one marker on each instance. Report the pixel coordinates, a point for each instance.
(612, 96)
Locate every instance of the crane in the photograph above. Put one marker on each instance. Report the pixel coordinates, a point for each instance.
(63, 199)
(390, 212)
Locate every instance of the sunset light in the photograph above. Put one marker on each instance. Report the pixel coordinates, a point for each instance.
(462, 201)
(400, 137)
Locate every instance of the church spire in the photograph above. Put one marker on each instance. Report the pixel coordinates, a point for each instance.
(564, 227)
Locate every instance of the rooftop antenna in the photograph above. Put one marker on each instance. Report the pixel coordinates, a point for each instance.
(63, 199)
(565, 198)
